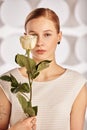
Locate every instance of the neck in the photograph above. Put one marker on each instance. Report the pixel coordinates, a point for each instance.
(52, 72)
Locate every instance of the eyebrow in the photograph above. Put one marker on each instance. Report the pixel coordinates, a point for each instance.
(48, 31)
(31, 31)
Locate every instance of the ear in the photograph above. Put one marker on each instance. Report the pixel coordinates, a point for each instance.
(59, 36)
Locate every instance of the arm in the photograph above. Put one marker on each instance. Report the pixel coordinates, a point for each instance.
(5, 108)
(78, 110)
(26, 124)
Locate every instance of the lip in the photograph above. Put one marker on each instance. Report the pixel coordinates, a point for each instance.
(40, 51)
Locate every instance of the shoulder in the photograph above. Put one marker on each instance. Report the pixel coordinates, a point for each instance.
(77, 80)
(77, 83)
(79, 109)
(10, 71)
(4, 85)
(3, 82)
(81, 98)
(74, 73)
(78, 95)
(76, 77)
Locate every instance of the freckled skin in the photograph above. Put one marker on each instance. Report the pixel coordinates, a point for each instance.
(2, 112)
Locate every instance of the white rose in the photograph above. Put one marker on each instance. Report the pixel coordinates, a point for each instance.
(28, 41)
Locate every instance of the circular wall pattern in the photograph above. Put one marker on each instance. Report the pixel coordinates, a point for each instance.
(13, 12)
(81, 11)
(1, 23)
(6, 67)
(60, 7)
(10, 47)
(81, 49)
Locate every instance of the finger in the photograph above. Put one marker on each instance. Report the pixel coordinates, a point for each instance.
(30, 120)
(33, 120)
(33, 123)
(34, 127)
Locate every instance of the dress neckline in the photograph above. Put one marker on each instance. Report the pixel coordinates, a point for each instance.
(48, 81)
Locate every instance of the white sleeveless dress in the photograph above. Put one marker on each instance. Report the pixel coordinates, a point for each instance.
(54, 99)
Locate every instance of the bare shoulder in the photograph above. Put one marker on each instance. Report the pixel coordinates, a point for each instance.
(79, 109)
(82, 96)
(5, 107)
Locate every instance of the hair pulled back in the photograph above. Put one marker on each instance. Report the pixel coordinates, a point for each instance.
(44, 12)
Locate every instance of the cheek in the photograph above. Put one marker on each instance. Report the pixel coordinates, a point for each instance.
(53, 45)
(32, 51)
(52, 48)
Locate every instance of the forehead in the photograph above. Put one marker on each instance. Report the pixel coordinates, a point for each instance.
(40, 23)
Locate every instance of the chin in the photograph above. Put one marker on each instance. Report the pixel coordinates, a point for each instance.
(40, 58)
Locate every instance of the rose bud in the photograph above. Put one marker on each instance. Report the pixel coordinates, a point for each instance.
(28, 41)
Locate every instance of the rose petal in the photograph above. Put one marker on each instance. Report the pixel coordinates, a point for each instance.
(28, 41)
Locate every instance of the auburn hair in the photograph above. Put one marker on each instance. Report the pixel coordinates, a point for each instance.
(44, 12)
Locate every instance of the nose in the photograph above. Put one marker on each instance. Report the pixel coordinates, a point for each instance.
(39, 41)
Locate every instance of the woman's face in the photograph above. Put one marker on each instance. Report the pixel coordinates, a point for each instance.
(47, 38)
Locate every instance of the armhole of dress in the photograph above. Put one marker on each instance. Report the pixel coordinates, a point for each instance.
(76, 92)
(5, 93)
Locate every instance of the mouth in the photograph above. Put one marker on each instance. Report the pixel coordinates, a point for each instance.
(40, 51)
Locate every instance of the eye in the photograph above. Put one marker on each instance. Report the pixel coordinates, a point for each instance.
(47, 34)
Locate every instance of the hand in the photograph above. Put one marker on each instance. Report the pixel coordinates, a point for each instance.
(26, 124)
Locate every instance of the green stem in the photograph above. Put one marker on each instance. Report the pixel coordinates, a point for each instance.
(31, 94)
(28, 53)
(30, 80)
(30, 84)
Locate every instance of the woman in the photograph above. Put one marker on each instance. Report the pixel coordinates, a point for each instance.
(60, 93)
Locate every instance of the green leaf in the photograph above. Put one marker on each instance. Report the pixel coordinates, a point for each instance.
(30, 111)
(35, 69)
(23, 102)
(21, 88)
(34, 75)
(24, 88)
(31, 63)
(42, 65)
(13, 90)
(14, 82)
(21, 60)
(26, 106)
(24, 61)
(29, 104)
(6, 78)
(35, 108)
